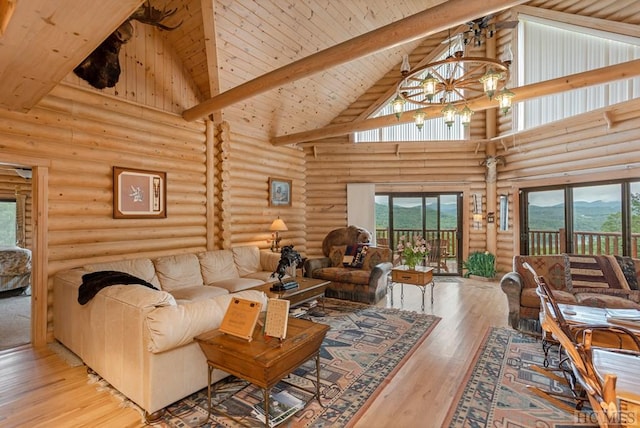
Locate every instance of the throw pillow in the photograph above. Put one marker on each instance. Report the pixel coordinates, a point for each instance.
(350, 253)
(335, 255)
(629, 270)
(358, 259)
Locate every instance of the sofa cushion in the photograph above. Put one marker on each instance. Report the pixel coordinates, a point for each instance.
(530, 299)
(178, 271)
(600, 300)
(198, 292)
(264, 276)
(342, 274)
(269, 260)
(336, 255)
(142, 268)
(596, 271)
(247, 259)
(553, 268)
(237, 284)
(217, 265)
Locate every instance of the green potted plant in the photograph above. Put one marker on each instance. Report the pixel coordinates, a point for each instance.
(480, 264)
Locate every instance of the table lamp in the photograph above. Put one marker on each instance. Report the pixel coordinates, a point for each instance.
(276, 227)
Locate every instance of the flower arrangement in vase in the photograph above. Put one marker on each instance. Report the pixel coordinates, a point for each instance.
(413, 251)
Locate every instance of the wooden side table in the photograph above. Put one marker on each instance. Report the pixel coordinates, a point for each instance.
(421, 277)
(264, 361)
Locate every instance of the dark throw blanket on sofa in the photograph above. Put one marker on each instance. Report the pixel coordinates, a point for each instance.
(96, 281)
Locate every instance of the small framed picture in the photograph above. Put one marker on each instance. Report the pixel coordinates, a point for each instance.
(279, 192)
(138, 193)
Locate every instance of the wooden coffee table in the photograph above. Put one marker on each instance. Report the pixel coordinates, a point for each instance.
(308, 289)
(264, 361)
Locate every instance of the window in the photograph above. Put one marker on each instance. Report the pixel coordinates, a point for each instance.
(7, 222)
(433, 130)
(594, 218)
(571, 50)
(434, 216)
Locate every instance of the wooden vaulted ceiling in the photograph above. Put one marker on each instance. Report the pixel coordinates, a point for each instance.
(226, 44)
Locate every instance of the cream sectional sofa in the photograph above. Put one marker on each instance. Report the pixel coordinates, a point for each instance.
(140, 340)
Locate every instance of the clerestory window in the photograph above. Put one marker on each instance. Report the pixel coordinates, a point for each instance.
(549, 49)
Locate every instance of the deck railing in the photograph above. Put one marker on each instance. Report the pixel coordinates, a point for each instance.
(553, 242)
(541, 242)
(446, 235)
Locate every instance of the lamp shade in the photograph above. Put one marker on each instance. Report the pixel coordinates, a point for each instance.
(278, 225)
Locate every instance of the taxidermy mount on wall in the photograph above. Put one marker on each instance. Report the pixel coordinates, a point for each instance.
(102, 67)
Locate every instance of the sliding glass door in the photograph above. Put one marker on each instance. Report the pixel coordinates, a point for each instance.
(544, 222)
(436, 217)
(598, 218)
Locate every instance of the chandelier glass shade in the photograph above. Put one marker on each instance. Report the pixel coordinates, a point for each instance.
(452, 83)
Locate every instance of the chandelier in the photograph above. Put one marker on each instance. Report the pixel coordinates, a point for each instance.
(452, 83)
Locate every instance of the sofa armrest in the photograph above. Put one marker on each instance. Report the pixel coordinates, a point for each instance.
(312, 264)
(74, 323)
(511, 285)
(170, 327)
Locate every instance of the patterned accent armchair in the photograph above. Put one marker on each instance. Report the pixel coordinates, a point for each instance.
(353, 276)
(588, 280)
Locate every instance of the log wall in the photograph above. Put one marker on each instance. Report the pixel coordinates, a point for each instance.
(248, 163)
(397, 167)
(84, 134)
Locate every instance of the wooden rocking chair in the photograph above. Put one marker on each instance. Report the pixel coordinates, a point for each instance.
(591, 382)
(438, 252)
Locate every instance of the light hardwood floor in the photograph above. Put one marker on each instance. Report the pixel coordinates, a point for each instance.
(38, 389)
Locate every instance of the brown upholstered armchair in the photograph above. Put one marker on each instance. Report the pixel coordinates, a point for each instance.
(354, 276)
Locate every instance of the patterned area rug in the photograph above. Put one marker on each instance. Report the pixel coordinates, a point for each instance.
(365, 346)
(495, 393)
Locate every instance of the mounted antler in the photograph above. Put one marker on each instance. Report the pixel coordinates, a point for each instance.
(149, 15)
(102, 67)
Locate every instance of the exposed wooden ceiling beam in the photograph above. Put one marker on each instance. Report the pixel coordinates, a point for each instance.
(598, 76)
(209, 24)
(414, 27)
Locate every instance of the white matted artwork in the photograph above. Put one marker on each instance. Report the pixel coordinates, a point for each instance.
(139, 193)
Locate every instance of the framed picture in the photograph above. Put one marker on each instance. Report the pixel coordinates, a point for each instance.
(279, 192)
(138, 193)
